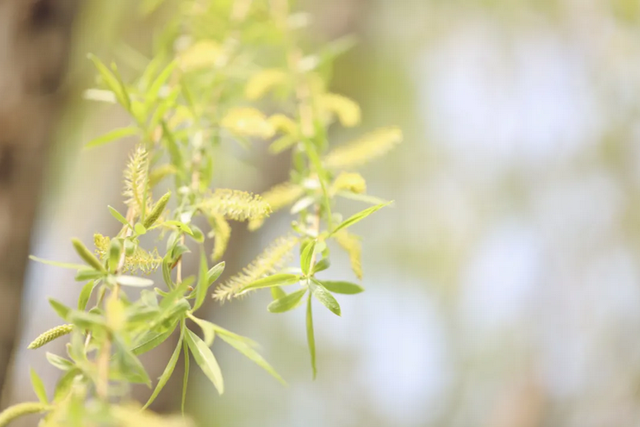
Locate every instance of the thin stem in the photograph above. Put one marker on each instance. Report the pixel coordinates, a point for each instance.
(102, 387)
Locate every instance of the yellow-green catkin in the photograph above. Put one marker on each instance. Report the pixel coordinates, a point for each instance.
(157, 210)
(50, 335)
(86, 255)
(21, 409)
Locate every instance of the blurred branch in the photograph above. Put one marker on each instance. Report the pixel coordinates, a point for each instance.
(34, 46)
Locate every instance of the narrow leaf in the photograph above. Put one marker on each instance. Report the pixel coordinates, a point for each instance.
(168, 371)
(215, 272)
(38, 387)
(306, 256)
(286, 303)
(113, 135)
(359, 216)
(277, 293)
(57, 264)
(274, 280)
(61, 309)
(185, 378)
(252, 355)
(203, 281)
(59, 362)
(324, 296)
(87, 255)
(135, 281)
(205, 359)
(311, 340)
(117, 215)
(321, 265)
(341, 287)
(207, 327)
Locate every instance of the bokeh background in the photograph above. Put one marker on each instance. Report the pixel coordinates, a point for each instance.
(503, 288)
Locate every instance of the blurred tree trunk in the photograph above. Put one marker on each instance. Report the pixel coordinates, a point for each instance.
(34, 46)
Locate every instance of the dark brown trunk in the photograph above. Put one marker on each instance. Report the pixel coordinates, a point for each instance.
(34, 46)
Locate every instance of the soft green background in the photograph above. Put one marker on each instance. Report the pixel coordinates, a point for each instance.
(503, 289)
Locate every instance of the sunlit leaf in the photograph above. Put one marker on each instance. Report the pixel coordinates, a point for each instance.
(359, 217)
(287, 302)
(341, 287)
(205, 359)
(324, 296)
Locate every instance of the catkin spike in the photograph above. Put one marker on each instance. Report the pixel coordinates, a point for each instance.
(361, 151)
(352, 245)
(222, 233)
(278, 197)
(249, 122)
(350, 181)
(139, 260)
(87, 256)
(347, 110)
(21, 409)
(50, 335)
(157, 210)
(235, 205)
(263, 81)
(268, 262)
(136, 181)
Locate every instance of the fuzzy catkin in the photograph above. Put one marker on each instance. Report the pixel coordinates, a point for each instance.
(157, 210)
(50, 335)
(20, 410)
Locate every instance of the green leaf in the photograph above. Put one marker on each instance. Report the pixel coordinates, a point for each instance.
(185, 378)
(88, 274)
(130, 366)
(57, 264)
(180, 226)
(203, 281)
(215, 272)
(207, 327)
(135, 281)
(286, 303)
(162, 78)
(140, 229)
(322, 177)
(324, 296)
(87, 320)
(61, 309)
(59, 362)
(359, 216)
(112, 82)
(38, 387)
(168, 371)
(85, 294)
(206, 360)
(251, 354)
(64, 383)
(151, 340)
(321, 265)
(306, 255)
(362, 197)
(277, 293)
(274, 280)
(117, 215)
(311, 340)
(87, 255)
(113, 135)
(341, 287)
(115, 249)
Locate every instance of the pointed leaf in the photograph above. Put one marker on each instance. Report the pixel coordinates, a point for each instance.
(61, 309)
(321, 265)
(324, 296)
(274, 280)
(205, 359)
(359, 216)
(252, 354)
(58, 264)
(341, 287)
(185, 378)
(277, 293)
(288, 302)
(208, 328)
(151, 340)
(203, 281)
(113, 135)
(85, 294)
(38, 387)
(117, 215)
(311, 340)
(162, 381)
(306, 254)
(215, 272)
(135, 281)
(59, 362)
